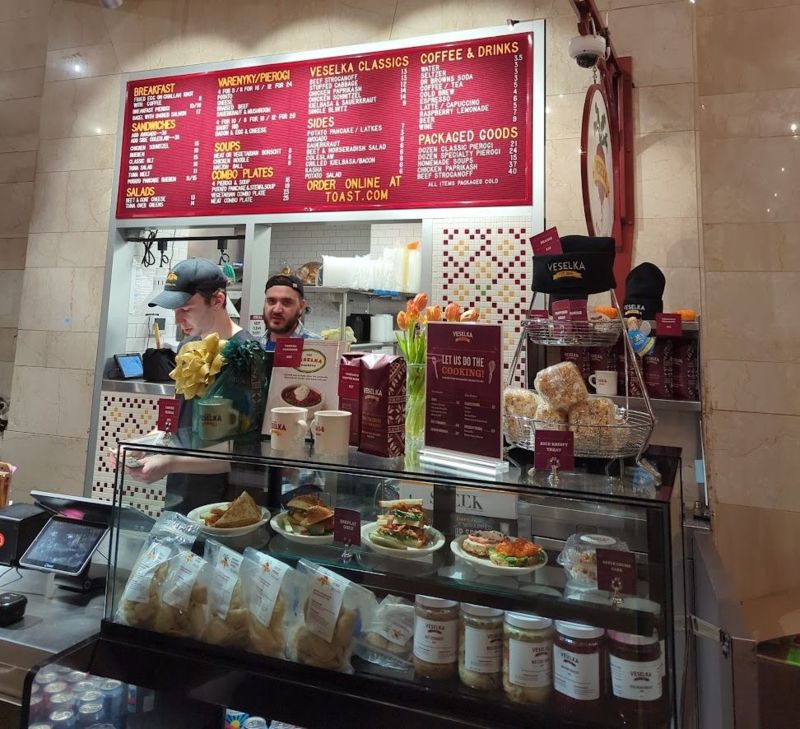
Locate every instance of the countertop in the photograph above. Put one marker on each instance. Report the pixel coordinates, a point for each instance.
(139, 387)
(50, 626)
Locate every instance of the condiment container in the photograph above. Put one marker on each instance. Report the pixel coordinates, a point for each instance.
(637, 680)
(480, 651)
(579, 670)
(435, 637)
(527, 658)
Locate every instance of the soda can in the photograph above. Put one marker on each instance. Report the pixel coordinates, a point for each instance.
(255, 722)
(76, 676)
(41, 725)
(62, 702)
(58, 668)
(53, 689)
(91, 697)
(63, 720)
(83, 686)
(45, 677)
(115, 698)
(90, 714)
(36, 708)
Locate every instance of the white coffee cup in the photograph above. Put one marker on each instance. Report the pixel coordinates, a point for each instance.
(331, 431)
(217, 417)
(604, 382)
(288, 428)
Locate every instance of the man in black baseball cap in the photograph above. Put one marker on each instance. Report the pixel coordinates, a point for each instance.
(284, 306)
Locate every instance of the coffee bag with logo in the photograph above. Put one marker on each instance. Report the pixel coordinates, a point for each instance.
(383, 405)
(350, 391)
(685, 377)
(658, 370)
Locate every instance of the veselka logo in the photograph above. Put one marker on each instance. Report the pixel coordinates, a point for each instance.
(312, 361)
(566, 269)
(462, 335)
(172, 277)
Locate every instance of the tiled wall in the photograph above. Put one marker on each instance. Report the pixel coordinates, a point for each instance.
(295, 244)
(749, 99)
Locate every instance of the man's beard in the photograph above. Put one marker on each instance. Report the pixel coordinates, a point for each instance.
(289, 326)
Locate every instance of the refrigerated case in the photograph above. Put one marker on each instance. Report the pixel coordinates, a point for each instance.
(521, 502)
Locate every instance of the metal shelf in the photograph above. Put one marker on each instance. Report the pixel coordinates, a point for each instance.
(679, 406)
(372, 345)
(359, 292)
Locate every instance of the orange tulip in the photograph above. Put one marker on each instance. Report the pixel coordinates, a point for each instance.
(421, 300)
(435, 313)
(471, 315)
(412, 309)
(452, 312)
(402, 320)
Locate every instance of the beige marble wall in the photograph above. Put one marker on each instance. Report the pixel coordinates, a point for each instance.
(86, 50)
(23, 47)
(749, 91)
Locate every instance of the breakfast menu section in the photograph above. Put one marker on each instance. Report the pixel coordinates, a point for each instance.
(464, 388)
(429, 126)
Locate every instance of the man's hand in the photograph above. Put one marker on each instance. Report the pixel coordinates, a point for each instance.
(153, 468)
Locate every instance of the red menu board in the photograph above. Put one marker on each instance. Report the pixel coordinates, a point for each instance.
(420, 127)
(464, 388)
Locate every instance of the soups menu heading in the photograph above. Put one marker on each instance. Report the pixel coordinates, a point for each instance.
(420, 127)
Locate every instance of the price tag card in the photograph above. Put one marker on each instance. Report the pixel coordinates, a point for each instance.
(668, 325)
(554, 447)
(546, 243)
(289, 352)
(561, 310)
(350, 380)
(256, 326)
(616, 571)
(578, 310)
(347, 527)
(168, 412)
(537, 314)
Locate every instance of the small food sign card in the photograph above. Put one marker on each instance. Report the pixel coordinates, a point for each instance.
(305, 374)
(463, 408)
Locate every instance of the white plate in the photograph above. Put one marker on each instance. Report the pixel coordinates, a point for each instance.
(484, 566)
(197, 515)
(436, 541)
(277, 524)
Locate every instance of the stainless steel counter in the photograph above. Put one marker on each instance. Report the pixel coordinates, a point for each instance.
(50, 625)
(140, 387)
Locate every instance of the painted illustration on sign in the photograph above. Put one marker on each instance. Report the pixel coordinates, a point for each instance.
(598, 164)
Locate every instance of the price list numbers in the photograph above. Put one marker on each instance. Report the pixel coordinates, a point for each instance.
(156, 113)
(249, 145)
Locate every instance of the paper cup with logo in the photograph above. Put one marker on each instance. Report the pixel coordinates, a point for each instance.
(331, 431)
(216, 418)
(288, 427)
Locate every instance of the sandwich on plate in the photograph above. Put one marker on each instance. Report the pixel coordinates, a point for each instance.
(308, 516)
(480, 543)
(402, 526)
(241, 512)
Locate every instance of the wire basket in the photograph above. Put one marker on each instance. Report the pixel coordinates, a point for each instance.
(626, 437)
(594, 333)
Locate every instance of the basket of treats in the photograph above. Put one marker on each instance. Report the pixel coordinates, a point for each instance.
(561, 402)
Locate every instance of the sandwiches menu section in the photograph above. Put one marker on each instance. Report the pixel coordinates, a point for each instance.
(426, 126)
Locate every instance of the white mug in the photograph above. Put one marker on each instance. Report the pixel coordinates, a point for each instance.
(331, 431)
(218, 418)
(604, 382)
(288, 428)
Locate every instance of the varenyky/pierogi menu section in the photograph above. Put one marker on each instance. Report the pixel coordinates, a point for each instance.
(433, 126)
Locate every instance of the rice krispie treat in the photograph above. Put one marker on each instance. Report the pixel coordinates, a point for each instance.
(550, 418)
(519, 401)
(589, 421)
(561, 385)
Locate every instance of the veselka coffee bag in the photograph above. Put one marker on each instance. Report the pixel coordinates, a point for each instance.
(350, 391)
(383, 405)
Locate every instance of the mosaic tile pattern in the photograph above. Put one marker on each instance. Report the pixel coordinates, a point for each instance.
(124, 416)
(486, 264)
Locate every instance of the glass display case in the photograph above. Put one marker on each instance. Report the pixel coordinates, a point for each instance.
(564, 608)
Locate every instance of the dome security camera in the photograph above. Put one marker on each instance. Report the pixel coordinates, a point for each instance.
(587, 50)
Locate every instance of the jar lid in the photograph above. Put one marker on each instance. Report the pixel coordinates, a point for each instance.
(481, 611)
(578, 630)
(528, 622)
(632, 639)
(435, 602)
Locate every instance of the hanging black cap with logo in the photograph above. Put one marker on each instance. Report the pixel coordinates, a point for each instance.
(644, 291)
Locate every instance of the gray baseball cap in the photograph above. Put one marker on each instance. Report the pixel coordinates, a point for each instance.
(186, 279)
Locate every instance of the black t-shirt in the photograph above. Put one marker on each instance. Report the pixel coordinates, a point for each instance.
(198, 489)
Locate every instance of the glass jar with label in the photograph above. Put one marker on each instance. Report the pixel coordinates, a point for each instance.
(480, 647)
(637, 681)
(579, 670)
(435, 637)
(527, 658)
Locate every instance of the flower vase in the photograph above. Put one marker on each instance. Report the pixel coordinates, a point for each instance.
(415, 406)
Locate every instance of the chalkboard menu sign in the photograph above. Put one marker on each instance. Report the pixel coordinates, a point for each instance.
(428, 126)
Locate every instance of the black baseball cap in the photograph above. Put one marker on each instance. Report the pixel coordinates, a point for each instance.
(281, 279)
(186, 279)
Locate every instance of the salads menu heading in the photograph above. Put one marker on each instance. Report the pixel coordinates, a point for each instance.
(421, 127)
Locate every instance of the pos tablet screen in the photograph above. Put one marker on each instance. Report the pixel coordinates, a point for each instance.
(64, 546)
(130, 365)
